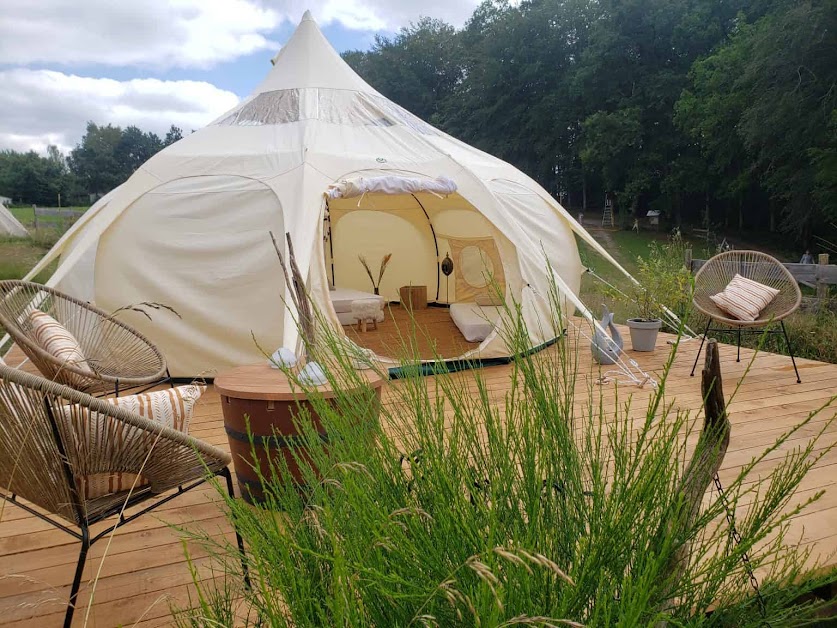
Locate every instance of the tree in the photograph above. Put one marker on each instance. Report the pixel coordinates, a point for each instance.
(108, 155)
(761, 107)
(135, 148)
(173, 135)
(94, 160)
(418, 68)
(29, 178)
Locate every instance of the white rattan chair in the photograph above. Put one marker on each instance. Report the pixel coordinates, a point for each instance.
(119, 356)
(46, 458)
(714, 276)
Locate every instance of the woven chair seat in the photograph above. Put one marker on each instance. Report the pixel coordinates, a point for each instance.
(117, 354)
(55, 440)
(714, 276)
(33, 455)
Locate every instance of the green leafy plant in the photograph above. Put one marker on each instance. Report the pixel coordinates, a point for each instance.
(452, 504)
(664, 283)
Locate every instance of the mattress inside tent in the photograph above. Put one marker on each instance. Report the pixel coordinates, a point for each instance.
(475, 322)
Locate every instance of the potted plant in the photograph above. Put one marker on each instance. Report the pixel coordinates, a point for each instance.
(646, 324)
(663, 283)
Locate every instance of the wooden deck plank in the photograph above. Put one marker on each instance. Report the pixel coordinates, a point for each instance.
(145, 570)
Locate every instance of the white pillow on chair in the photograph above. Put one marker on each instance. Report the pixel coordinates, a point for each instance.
(56, 340)
(744, 299)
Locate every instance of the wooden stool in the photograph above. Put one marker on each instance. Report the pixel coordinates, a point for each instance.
(366, 311)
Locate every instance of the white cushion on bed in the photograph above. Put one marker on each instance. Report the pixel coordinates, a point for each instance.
(341, 298)
(474, 321)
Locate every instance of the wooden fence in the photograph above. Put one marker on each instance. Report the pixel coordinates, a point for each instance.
(67, 216)
(818, 276)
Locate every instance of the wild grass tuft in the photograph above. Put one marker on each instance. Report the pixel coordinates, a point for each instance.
(463, 500)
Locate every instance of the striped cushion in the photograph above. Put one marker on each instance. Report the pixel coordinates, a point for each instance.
(172, 407)
(744, 299)
(54, 338)
(101, 484)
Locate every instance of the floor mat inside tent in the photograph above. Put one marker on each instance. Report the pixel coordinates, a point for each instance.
(429, 331)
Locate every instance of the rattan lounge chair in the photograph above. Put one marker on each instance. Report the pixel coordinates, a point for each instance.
(118, 356)
(714, 276)
(45, 459)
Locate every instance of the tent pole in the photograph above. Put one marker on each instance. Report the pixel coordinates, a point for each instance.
(435, 243)
(330, 244)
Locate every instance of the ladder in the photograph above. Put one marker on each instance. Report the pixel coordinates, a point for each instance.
(607, 216)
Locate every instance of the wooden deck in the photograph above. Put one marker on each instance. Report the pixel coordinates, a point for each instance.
(144, 571)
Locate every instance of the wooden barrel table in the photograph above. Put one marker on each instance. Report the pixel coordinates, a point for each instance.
(264, 396)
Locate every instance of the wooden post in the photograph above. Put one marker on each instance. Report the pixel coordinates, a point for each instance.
(35, 216)
(688, 260)
(714, 438)
(822, 286)
(707, 459)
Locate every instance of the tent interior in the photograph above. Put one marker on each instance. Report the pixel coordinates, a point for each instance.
(420, 230)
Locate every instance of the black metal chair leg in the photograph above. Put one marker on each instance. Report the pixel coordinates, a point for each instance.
(228, 477)
(790, 350)
(82, 558)
(702, 340)
(738, 355)
(169, 377)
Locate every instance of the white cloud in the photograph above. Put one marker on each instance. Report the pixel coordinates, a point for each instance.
(42, 107)
(391, 15)
(160, 33)
(185, 33)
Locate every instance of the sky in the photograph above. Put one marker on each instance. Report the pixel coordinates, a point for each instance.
(154, 63)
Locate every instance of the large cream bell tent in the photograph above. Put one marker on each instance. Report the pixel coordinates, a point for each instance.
(317, 153)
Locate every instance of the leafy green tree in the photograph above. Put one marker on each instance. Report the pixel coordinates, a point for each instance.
(108, 155)
(29, 178)
(761, 107)
(174, 134)
(135, 148)
(94, 160)
(824, 160)
(418, 68)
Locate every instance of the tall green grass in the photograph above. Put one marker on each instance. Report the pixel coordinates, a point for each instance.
(457, 505)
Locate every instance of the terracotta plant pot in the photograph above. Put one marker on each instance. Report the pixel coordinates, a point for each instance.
(644, 333)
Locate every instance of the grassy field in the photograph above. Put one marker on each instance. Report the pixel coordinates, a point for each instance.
(19, 255)
(26, 215)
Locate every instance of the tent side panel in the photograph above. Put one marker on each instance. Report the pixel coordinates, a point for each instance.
(201, 246)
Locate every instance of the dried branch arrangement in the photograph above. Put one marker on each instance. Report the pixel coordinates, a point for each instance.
(384, 263)
(299, 296)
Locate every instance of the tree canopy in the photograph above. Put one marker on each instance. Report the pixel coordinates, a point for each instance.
(104, 158)
(716, 113)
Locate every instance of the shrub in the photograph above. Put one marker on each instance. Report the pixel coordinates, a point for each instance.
(465, 507)
(664, 283)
